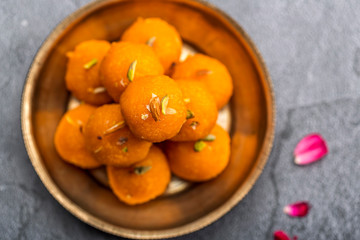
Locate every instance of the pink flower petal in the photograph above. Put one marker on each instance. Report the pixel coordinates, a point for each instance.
(297, 209)
(281, 235)
(310, 149)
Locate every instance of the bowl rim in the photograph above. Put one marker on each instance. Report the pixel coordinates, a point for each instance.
(36, 160)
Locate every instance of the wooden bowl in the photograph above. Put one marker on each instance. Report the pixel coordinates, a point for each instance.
(252, 125)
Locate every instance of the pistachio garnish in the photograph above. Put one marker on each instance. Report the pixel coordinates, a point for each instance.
(98, 149)
(164, 103)
(121, 141)
(122, 82)
(144, 116)
(131, 71)
(199, 145)
(99, 90)
(78, 123)
(209, 138)
(170, 111)
(155, 108)
(115, 127)
(141, 170)
(202, 72)
(189, 114)
(70, 120)
(194, 124)
(151, 41)
(90, 64)
(125, 149)
(96, 90)
(186, 100)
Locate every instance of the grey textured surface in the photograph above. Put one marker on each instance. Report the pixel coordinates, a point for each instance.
(312, 49)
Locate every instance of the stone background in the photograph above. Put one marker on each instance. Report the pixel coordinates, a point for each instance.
(312, 49)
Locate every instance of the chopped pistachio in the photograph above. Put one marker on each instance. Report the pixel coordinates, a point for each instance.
(209, 138)
(131, 71)
(122, 83)
(170, 111)
(121, 141)
(144, 116)
(202, 72)
(164, 103)
(90, 64)
(189, 114)
(141, 170)
(199, 145)
(155, 108)
(98, 149)
(70, 120)
(99, 90)
(151, 41)
(194, 124)
(78, 123)
(115, 127)
(186, 100)
(125, 149)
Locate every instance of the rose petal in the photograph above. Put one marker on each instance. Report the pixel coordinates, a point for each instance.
(309, 157)
(281, 235)
(297, 209)
(310, 149)
(309, 142)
